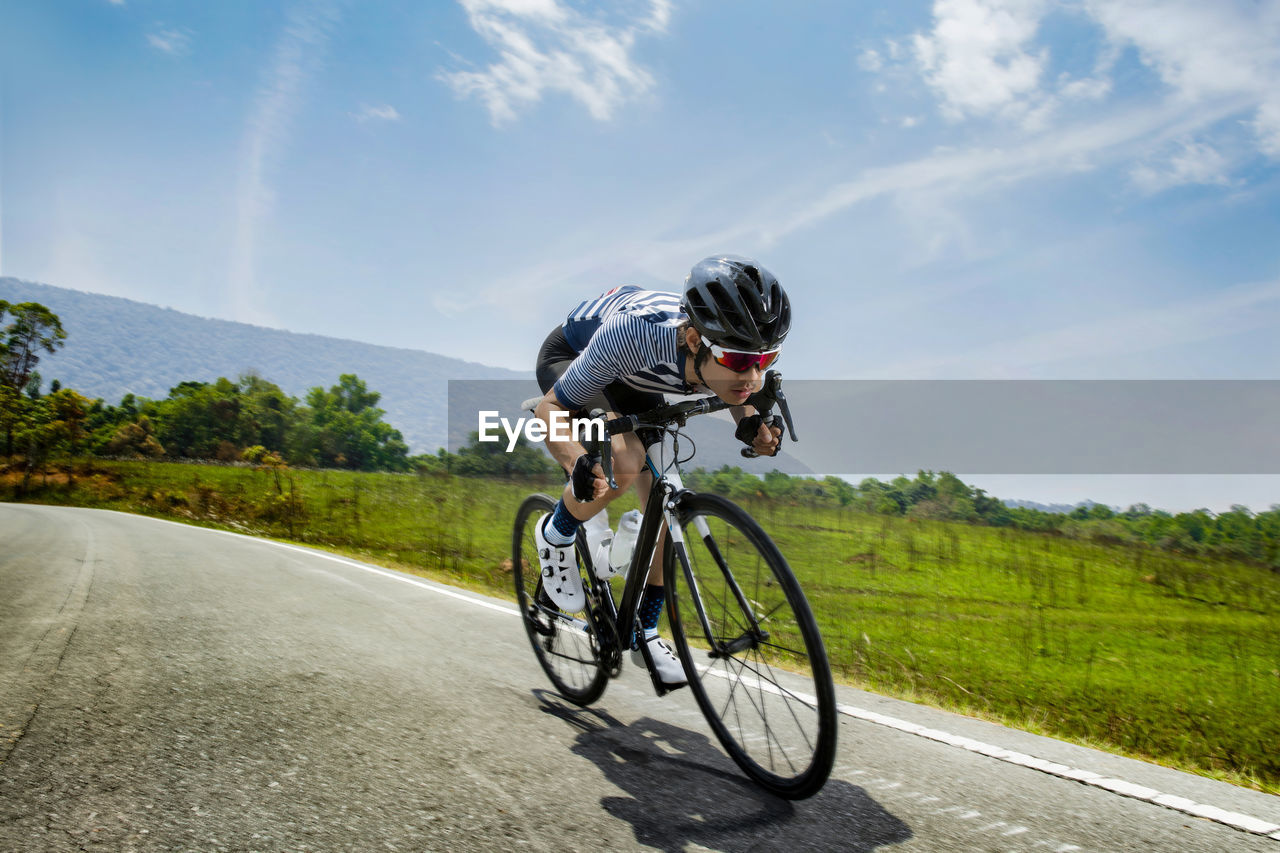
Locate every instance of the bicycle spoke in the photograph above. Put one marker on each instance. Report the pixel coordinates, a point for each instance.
(763, 712)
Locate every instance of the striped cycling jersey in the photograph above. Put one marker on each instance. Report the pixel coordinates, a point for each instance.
(628, 335)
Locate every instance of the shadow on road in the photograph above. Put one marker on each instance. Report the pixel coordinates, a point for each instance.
(682, 789)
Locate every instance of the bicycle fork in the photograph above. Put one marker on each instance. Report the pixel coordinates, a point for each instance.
(754, 635)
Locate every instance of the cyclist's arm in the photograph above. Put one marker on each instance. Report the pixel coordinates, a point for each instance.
(565, 452)
(602, 361)
(568, 452)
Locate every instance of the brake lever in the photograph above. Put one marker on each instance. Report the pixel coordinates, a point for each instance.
(782, 403)
(602, 450)
(771, 393)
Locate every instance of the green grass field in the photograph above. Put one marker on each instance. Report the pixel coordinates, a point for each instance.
(1144, 652)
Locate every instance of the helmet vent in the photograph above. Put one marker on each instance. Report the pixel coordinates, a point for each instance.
(737, 303)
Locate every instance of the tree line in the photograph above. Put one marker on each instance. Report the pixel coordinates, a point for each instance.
(225, 420)
(942, 496)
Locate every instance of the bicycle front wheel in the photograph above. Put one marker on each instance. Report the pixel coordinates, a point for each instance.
(751, 648)
(565, 644)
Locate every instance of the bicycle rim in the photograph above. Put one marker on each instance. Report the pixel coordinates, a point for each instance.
(565, 644)
(754, 657)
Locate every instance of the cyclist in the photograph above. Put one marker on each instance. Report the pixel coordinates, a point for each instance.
(620, 352)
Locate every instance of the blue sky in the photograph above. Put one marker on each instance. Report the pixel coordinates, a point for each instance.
(955, 189)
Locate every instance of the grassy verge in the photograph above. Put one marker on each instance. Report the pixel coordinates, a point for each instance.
(1143, 652)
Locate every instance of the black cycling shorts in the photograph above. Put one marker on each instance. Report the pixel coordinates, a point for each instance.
(554, 358)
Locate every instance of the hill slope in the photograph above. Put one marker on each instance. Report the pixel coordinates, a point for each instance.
(117, 346)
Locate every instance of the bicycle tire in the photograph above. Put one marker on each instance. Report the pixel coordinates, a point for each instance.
(566, 645)
(770, 699)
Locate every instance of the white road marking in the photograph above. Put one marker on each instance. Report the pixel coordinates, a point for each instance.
(364, 567)
(1247, 823)
(1243, 822)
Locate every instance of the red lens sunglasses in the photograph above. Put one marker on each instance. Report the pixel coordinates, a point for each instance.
(740, 361)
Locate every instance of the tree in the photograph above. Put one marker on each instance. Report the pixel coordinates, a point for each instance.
(490, 458)
(51, 423)
(33, 329)
(12, 412)
(777, 484)
(842, 490)
(1101, 511)
(135, 439)
(347, 430)
(268, 416)
(198, 417)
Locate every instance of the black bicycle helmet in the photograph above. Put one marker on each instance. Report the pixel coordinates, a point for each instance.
(737, 303)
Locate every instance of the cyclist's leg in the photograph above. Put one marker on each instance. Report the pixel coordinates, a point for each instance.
(554, 358)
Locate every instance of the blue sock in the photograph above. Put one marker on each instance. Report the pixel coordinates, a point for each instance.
(563, 527)
(650, 610)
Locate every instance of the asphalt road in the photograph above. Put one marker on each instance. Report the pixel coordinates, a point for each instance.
(165, 687)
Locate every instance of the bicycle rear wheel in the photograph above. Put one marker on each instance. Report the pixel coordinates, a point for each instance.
(751, 648)
(566, 644)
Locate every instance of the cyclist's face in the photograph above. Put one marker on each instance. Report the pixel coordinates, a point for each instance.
(732, 387)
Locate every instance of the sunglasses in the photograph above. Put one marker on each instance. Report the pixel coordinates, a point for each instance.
(740, 361)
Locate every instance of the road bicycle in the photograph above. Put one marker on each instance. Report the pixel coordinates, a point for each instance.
(749, 644)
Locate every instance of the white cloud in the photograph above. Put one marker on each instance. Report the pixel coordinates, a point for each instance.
(1210, 62)
(384, 112)
(870, 60)
(1191, 163)
(1266, 126)
(1207, 51)
(987, 58)
(959, 173)
(1084, 89)
(266, 135)
(980, 57)
(175, 41)
(547, 46)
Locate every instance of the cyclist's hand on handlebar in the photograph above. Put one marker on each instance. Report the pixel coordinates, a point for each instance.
(767, 440)
(760, 433)
(588, 479)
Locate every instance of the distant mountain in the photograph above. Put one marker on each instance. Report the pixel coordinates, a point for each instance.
(118, 346)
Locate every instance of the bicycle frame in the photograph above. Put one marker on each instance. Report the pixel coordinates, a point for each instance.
(661, 507)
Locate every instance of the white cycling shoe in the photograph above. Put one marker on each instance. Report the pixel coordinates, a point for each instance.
(560, 577)
(665, 663)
